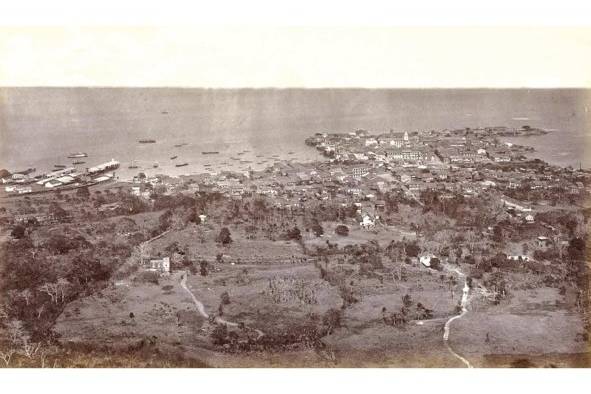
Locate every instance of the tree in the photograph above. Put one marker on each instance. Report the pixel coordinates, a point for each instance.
(224, 237)
(51, 289)
(576, 249)
(57, 212)
(203, 268)
(18, 231)
(407, 300)
(436, 264)
(193, 217)
(7, 355)
(317, 228)
(342, 230)
(294, 234)
(26, 295)
(332, 319)
(83, 192)
(165, 220)
(85, 269)
(15, 331)
(219, 334)
(141, 252)
(412, 250)
(225, 298)
(62, 286)
(497, 234)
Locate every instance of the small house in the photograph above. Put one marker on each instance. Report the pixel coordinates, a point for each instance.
(367, 222)
(426, 260)
(543, 242)
(160, 265)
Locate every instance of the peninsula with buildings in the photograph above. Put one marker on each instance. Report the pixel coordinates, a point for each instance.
(447, 248)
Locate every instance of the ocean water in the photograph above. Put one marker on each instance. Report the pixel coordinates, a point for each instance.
(39, 127)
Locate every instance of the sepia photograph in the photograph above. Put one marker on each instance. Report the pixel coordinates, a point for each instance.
(295, 197)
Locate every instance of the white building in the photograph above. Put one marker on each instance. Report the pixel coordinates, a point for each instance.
(159, 265)
(367, 222)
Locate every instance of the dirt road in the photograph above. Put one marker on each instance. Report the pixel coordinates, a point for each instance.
(202, 311)
(464, 305)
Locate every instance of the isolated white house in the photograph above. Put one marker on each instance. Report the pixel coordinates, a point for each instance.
(367, 222)
(426, 259)
(161, 265)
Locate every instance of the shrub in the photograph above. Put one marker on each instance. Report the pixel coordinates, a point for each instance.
(332, 319)
(342, 230)
(412, 250)
(148, 277)
(224, 237)
(18, 231)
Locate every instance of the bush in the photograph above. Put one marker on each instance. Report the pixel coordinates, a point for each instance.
(203, 268)
(165, 220)
(317, 229)
(293, 234)
(18, 231)
(332, 319)
(436, 264)
(148, 277)
(224, 237)
(83, 192)
(342, 230)
(220, 334)
(412, 250)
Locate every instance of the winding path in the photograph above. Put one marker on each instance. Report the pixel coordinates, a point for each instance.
(202, 312)
(447, 327)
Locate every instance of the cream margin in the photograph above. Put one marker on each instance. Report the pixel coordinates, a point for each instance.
(306, 57)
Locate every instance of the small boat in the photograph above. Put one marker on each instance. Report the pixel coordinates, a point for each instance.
(27, 171)
(290, 152)
(147, 141)
(155, 165)
(179, 145)
(173, 157)
(132, 165)
(59, 166)
(207, 165)
(164, 112)
(240, 153)
(77, 155)
(182, 164)
(78, 162)
(210, 152)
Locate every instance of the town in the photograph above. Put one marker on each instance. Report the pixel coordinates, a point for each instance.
(430, 248)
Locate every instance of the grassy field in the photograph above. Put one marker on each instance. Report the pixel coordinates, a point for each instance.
(535, 323)
(274, 288)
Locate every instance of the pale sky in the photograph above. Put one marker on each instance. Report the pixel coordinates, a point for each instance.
(296, 57)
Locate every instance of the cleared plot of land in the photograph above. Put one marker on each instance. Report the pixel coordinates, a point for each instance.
(532, 322)
(381, 234)
(161, 310)
(200, 242)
